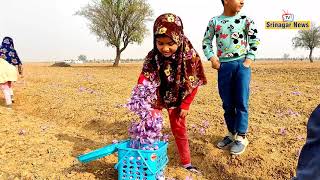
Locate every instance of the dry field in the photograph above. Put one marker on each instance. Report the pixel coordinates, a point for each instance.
(61, 112)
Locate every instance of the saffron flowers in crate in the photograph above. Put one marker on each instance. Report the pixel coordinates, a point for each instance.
(146, 131)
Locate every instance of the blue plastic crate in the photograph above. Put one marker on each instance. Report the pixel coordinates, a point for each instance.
(100, 153)
(137, 164)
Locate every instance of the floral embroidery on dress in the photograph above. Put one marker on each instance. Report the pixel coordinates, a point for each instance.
(162, 30)
(168, 70)
(171, 18)
(8, 53)
(176, 38)
(191, 78)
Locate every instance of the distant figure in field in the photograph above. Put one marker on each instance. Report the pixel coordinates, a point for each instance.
(309, 160)
(8, 53)
(8, 73)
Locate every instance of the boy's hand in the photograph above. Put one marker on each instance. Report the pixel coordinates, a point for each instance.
(183, 113)
(215, 64)
(247, 63)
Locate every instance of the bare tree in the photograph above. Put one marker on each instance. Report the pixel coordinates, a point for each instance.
(308, 39)
(82, 57)
(118, 22)
(286, 56)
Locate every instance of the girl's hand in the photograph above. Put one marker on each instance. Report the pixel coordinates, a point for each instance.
(183, 113)
(155, 112)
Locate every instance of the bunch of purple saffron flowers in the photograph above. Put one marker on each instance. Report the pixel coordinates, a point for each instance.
(146, 132)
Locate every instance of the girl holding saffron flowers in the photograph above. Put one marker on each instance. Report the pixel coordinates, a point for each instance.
(175, 68)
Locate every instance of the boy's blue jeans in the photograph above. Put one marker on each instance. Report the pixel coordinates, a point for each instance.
(233, 83)
(309, 159)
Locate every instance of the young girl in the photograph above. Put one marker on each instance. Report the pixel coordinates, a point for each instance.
(8, 53)
(176, 67)
(8, 73)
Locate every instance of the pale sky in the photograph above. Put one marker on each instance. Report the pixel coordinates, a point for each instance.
(48, 29)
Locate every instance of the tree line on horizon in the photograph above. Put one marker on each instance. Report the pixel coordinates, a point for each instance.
(119, 23)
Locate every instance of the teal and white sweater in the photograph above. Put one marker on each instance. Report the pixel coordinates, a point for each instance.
(232, 33)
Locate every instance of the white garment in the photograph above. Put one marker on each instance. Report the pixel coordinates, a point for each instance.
(7, 72)
(11, 91)
(7, 96)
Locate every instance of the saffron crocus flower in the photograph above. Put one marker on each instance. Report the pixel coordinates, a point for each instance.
(81, 89)
(296, 93)
(206, 124)
(146, 132)
(283, 131)
(202, 131)
(292, 113)
(299, 138)
(165, 138)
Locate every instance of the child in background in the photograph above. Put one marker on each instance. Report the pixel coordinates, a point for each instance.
(176, 67)
(8, 53)
(233, 32)
(8, 73)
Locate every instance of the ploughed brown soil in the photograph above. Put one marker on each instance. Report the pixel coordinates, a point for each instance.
(61, 112)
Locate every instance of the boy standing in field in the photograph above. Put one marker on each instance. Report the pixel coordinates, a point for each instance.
(233, 32)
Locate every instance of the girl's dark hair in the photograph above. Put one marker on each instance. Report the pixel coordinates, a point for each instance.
(160, 36)
(222, 2)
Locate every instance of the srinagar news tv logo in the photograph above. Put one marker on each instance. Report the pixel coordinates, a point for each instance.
(288, 22)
